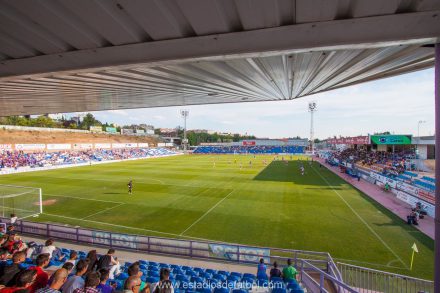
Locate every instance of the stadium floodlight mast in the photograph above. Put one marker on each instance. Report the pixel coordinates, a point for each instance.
(185, 114)
(312, 109)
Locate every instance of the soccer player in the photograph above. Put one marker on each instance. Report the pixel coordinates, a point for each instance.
(130, 187)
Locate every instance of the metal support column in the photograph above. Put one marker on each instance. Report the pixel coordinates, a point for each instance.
(437, 168)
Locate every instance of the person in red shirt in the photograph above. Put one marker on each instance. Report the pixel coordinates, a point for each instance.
(42, 277)
(25, 279)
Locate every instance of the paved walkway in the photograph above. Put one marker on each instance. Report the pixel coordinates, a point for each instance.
(386, 199)
(132, 256)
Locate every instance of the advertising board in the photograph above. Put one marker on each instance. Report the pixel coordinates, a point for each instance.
(96, 129)
(111, 130)
(30, 147)
(59, 146)
(390, 139)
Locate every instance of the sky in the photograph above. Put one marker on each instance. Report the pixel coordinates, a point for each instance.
(393, 104)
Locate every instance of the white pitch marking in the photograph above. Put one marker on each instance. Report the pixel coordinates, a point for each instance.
(207, 212)
(83, 198)
(362, 219)
(104, 210)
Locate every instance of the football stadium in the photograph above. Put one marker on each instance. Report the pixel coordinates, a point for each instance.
(89, 206)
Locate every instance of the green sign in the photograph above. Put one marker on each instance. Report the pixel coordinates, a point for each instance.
(110, 129)
(391, 139)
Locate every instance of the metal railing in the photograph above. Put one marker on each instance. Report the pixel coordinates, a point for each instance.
(210, 250)
(317, 281)
(370, 280)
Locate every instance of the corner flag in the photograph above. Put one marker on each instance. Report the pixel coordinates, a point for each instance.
(414, 249)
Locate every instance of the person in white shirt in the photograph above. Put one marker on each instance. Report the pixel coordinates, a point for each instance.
(50, 249)
(13, 219)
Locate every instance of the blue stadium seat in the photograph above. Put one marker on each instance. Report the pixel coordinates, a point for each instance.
(122, 276)
(239, 275)
(219, 277)
(182, 278)
(239, 291)
(223, 273)
(204, 290)
(211, 271)
(249, 276)
(152, 279)
(221, 290)
(262, 282)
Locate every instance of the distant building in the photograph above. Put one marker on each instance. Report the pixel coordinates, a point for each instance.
(56, 117)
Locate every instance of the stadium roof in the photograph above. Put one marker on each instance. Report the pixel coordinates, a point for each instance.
(83, 55)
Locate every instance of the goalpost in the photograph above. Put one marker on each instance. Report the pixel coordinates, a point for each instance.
(22, 201)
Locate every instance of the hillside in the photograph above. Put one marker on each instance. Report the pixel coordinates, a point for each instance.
(18, 136)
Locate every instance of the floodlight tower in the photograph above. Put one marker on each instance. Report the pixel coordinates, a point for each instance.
(312, 109)
(185, 114)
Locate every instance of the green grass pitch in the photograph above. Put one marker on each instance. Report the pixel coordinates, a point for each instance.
(224, 198)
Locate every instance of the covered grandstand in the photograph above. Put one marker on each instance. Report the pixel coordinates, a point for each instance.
(103, 55)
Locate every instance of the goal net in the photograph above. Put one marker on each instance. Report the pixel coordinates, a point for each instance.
(22, 201)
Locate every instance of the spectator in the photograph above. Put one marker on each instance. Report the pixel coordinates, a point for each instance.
(10, 230)
(103, 287)
(76, 281)
(261, 270)
(14, 219)
(289, 272)
(109, 262)
(58, 280)
(51, 249)
(134, 270)
(164, 285)
(93, 260)
(132, 284)
(92, 280)
(9, 244)
(275, 271)
(68, 266)
(42, 277)
(8, 273)
(24, 280)
(73, 257)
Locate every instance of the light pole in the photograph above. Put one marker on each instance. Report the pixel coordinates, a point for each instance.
(312, 109)
(418, 129)
(185, 114)
(418, 142)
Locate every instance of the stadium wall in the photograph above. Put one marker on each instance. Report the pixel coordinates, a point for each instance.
(34, 169)
(27, 128)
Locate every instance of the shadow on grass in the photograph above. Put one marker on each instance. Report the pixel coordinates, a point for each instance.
(280, 171)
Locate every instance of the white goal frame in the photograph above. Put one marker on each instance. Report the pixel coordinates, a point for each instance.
(28, 189)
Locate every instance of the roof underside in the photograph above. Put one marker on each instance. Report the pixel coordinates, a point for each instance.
(84, 55)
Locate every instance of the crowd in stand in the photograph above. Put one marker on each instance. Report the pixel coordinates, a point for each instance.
(390, 163)
(260, 149)
(16, 159)
(91, 274)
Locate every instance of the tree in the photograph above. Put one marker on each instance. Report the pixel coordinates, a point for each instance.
(89, 120)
